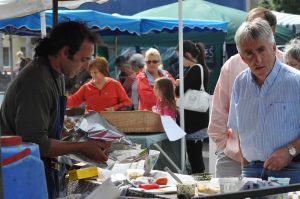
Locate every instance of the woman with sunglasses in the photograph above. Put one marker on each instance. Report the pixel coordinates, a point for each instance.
(193, 55)
(146, 79)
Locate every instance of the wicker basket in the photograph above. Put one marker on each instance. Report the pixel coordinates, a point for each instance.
(134, 121)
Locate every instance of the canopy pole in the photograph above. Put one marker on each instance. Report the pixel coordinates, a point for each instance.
(54, 12)
(181, 89)
(1, 53)
(116, 55)
(11, 57)
(43, 24)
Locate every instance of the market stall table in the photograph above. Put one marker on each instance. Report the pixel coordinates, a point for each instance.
(169, 150)
(86, 186)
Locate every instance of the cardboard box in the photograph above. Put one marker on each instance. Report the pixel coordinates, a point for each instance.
(77, 174)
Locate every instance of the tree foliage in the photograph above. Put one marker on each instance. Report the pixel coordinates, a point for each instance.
(265, 4)
(288, 6)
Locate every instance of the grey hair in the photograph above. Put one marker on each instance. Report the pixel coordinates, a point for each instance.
(137, 60)
(293, 49)
(252, 30)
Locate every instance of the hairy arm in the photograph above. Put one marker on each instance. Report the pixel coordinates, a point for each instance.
(94, 150)
(281, 157)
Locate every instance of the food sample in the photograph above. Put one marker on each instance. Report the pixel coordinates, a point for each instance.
(205, 188)
(134, 174)
(162, 181)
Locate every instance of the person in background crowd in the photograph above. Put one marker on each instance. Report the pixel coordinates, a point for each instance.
(16, 69)
(102, 93)
(263, 112)
(137, 62)
(164, 92)
(228, 155)
(119, 63)
(34, 103)
(19, 55)
(193, 55)
(292, 53)
(146, 79)
(73, 84)
(24, 62)
(173, 67)
(130, 78)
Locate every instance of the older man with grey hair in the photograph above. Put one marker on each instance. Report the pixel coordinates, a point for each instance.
(137, 62)
(264, 106)
(228, 156)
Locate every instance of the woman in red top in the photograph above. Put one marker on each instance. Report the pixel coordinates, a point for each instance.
(146, 79)
(102, 93)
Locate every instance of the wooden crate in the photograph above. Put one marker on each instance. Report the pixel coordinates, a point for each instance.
(134, 121)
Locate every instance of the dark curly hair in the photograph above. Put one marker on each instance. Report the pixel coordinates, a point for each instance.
(68, 33)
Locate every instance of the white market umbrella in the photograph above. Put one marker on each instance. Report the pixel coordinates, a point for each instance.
(19, 8)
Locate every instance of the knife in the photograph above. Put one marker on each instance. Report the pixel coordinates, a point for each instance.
(173, 175)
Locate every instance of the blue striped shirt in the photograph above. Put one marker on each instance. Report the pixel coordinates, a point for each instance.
(266, 117)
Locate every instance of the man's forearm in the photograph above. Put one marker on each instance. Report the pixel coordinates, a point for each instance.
(58, 148)
(296, 145)
(244, 162)
(94, 150)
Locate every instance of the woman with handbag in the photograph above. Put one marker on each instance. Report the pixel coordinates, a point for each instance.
(194, 58)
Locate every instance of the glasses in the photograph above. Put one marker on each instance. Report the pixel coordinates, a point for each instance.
(153, 61)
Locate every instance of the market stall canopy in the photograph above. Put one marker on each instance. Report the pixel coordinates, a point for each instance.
(160, 24)
(203, 10)
(78, 3)
(290, 21)
(19, 8)
(107, 24)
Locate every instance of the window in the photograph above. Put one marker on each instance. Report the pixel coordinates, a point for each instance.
(6, 56)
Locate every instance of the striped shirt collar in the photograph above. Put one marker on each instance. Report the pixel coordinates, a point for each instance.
(271, 76)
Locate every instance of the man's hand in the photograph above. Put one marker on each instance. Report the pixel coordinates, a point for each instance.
(244, 162)
(96, 150)
(278, 159)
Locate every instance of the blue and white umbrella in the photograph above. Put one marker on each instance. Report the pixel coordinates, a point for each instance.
(107, 23)
(290, 21)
